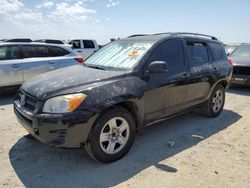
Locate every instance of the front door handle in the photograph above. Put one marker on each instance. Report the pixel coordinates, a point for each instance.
(52, 62)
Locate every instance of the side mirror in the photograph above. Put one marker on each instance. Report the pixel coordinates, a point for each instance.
(158, 67)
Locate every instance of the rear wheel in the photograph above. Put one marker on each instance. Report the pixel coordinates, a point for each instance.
(214, 106)
(112, 135)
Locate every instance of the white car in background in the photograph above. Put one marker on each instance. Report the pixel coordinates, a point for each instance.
(84, 47)
(20, 61)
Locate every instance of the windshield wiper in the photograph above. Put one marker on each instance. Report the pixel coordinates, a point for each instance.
(96, 67)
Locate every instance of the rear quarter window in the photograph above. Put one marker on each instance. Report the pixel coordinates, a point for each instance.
(57, 51)
(218, 51)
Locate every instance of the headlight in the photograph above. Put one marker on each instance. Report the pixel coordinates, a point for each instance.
(63, 104)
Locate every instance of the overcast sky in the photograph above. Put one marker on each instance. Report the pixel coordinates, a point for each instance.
(105, 19)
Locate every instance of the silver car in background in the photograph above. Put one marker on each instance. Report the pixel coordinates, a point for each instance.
(229, 48)
(21, 61)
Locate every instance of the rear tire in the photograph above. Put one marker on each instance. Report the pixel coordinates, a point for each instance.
(112, 135)
(214, 106)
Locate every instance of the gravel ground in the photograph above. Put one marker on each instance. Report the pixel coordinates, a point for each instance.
(187, 151)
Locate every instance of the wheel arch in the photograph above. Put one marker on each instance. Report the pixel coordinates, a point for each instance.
(131, 107)
(222, 82)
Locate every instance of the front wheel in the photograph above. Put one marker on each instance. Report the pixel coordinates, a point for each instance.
(112, 135)
(214, 106)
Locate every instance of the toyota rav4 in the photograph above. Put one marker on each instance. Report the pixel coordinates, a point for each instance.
(125, 86)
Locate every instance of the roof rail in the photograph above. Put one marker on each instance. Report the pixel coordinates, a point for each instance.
(138, 35)
(50, 41)
(176, 33)
(19, 40)
(166, 33)
(194, 34)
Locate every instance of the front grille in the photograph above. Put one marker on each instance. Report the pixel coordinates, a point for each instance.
(30, 102)
(241, 70)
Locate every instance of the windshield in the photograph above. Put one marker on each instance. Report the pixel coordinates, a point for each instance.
(242, 51)
(119, 55)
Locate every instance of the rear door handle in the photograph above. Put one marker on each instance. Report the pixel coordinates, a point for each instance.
(14, 66)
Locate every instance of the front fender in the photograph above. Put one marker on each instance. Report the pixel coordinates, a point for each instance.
(127, 92)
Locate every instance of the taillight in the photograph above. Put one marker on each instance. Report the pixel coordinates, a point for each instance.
(230, 62)
(79, 59)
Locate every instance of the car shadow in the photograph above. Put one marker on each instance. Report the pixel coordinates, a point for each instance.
(7, 98)
(39, 165)
(239, 90)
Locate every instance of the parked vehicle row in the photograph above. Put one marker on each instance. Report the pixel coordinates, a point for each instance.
(20, 61)
(123, 87)
(84, 47)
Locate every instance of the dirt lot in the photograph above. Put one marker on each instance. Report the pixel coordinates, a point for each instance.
(206, 153)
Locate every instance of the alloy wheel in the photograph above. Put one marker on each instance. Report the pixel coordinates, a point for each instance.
(217, 101)
(114, 135)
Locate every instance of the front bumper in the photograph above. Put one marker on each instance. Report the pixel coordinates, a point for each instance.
(61, 130)
(238, 79)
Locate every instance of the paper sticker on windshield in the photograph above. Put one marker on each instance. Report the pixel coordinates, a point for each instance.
(133, 53)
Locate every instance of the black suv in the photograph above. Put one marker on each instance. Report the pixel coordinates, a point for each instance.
(125, 86)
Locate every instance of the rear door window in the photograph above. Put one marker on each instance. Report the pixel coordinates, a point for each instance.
(218, 51)
(88, 44)
(8, 52)
(198, 53)
(57, 51)
(31, 51)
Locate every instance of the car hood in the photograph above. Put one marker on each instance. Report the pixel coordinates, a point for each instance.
(68, 80)
(240, 61)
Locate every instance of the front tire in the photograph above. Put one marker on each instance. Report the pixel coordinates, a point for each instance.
(29, 136)
(214, 106)
(112, 135)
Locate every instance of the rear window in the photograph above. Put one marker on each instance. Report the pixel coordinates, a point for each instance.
(8, 52)
(31, 51)
(76, 44)
(57, 51)
(218, 51)
(242, 51)
(88, 44)
(198, 53)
